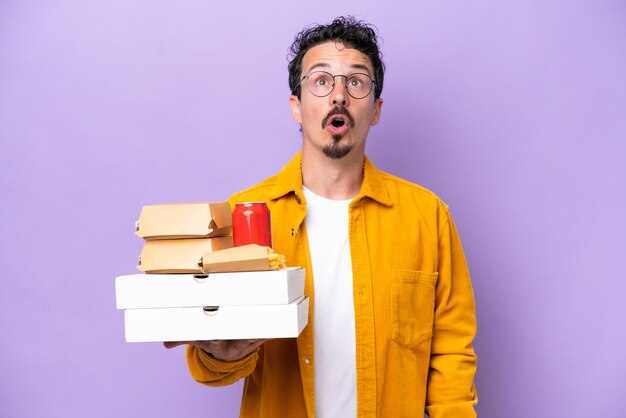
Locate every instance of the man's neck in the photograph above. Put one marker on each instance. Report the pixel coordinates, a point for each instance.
(333, 179)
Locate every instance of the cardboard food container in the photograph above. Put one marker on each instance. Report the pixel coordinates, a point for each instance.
(250, 257)
(178, 255)
(216, 322)
(184, 220)
(140, 291)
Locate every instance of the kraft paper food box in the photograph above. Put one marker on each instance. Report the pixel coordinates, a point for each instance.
(250, 257)
(184, 220)
(178, 255)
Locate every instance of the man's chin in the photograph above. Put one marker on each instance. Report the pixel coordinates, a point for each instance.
(336, 151)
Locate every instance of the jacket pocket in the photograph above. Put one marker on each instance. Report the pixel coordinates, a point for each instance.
(413, 306)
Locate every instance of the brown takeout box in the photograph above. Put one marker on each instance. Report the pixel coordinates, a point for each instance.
(250, 257)
(178, 255)
(184, 220)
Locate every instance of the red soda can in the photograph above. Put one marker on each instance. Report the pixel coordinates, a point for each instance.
(252, 224)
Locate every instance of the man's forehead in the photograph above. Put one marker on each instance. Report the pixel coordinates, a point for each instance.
(335, 54)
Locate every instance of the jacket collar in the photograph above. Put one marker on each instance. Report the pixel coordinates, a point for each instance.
(289, 180)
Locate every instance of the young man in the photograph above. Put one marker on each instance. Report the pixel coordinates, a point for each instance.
(392, 319)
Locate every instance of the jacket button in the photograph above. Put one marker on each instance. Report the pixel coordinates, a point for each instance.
(307, 361)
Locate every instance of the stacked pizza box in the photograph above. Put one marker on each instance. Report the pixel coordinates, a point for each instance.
(196, 286)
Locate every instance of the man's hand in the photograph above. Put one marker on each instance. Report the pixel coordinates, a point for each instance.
(226, 350)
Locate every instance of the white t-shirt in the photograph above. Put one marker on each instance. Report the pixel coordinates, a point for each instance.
(335, 342)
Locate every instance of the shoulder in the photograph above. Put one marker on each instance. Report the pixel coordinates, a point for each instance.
(288, 179)
(413, 201)
(259, 191)
(401, 190)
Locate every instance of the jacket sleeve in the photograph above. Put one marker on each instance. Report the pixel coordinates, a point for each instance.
(450, 390)
(210, 371)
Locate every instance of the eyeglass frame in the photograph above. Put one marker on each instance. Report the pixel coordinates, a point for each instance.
(334, 83)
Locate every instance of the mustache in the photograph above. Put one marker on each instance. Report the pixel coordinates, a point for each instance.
(339, 110)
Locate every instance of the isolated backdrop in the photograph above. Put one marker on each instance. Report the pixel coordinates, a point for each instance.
(514, 112)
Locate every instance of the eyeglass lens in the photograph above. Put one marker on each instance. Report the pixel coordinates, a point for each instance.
(321, 83)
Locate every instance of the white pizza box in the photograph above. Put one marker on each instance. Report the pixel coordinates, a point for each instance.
(216, 323)
(271, 287)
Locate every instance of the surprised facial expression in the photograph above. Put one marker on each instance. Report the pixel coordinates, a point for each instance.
(337, 124)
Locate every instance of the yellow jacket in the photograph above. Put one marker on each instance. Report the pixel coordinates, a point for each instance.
(414, 307)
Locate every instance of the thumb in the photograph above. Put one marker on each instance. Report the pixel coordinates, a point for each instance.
(172, 344)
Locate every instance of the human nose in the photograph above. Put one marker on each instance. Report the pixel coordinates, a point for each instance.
(339, 95)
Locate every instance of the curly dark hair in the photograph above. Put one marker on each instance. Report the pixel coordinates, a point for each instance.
(353, 33)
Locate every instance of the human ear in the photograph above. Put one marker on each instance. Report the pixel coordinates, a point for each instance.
(378, 105)
(296, 114)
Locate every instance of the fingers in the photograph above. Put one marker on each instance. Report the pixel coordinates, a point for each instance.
(172, 344)
(254, 344)
(227, 350)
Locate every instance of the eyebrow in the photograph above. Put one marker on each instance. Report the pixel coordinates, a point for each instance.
(318, 65)
(326, 66)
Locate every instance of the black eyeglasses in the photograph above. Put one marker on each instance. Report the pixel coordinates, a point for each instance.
(321, 84)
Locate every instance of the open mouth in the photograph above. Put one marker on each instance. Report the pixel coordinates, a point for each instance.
(338, 123)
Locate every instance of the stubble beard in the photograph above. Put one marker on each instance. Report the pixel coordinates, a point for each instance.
(335, 149)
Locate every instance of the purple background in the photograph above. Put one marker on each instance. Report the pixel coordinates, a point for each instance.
(513, 112)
